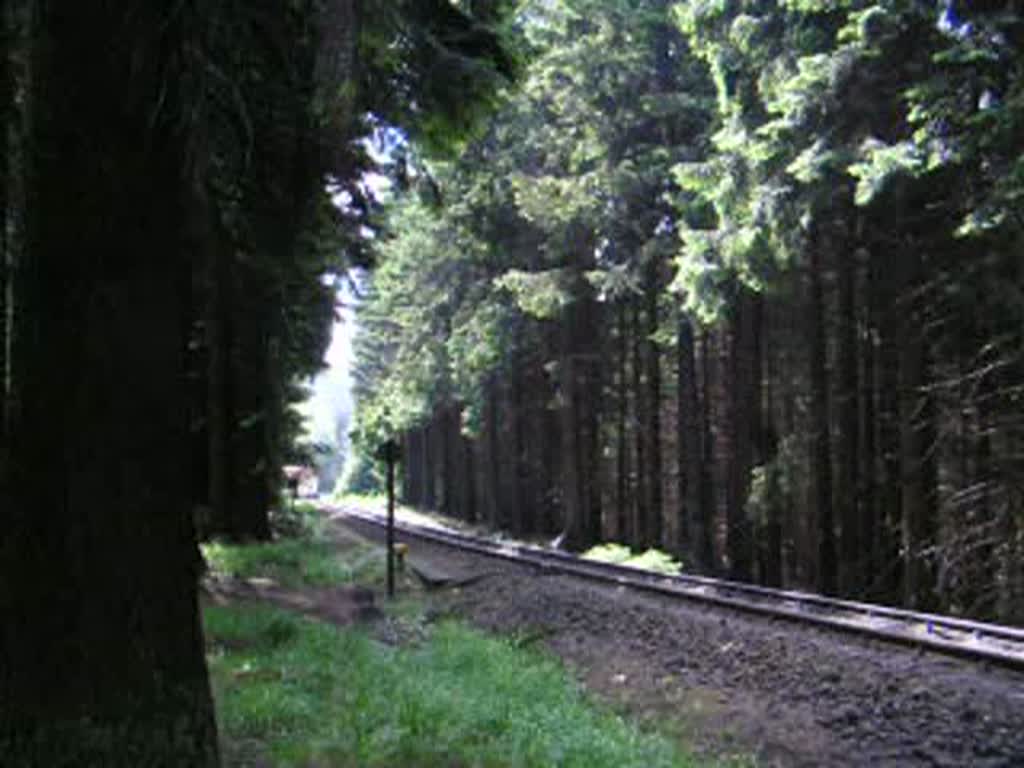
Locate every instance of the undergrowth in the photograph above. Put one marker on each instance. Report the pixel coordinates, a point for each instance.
(301, 554)
(651, 560)
(304, 693)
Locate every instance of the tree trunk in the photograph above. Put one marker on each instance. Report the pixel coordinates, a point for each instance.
(767, 533)
(589, 401)
(916, 411)
(848, 444)
(572, 503)
(579, 401)
(413, 468)
(101, 648)
(651, 431)
(220, 399)
(870, 527)
(449, 502)
(622, 498)
(820, 449)
(405, 489)
(258, 525)
(552, 468)
(744, 406)
(707, 443)
(640, 539)
(496, 505)
(694, 522)
(429, 473)
(891, 498)
(469, 480)
(6, 252)
(524, 508)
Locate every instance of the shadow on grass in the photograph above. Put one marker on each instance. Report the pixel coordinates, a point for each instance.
(299, 692)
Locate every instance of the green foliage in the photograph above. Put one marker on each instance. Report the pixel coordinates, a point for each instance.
(289, 563)
(302, 692)
(564, 193)
(437, 67)
(309, 558)
(880, 164)
(772, 484)
(806, 91)
(651, 560)
(542, 295)
(361, 476)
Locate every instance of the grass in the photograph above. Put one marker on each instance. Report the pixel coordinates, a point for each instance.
(290, 563)
(651, 560)
(304, 693)
(305, 557)
(293, 691)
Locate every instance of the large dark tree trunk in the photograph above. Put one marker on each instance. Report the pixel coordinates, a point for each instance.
(5, 277)
(694, 518)
(707, 442)
(523, 511)
(101, 650)
(469, 480)
(550, 458)
(918, 486)
(496, 506)
(250, 436)
(651, 428)
(848, 444)
(589, 405)
(220, 398)
(982, 593)
(821, 461)
(413, 468)
(622, 452)
(449, 504)
(405, 488)
(890, 576)
(417, 466)
(572, 501)
(579, 386)
(640, 538)
(256, 518)
(429, 474)
(743, 410)
(6, 252)
(870, 527)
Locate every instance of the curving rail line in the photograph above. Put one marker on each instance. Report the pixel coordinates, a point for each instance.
(979, 641)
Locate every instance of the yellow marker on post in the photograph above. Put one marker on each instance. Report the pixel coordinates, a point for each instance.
(401, 550)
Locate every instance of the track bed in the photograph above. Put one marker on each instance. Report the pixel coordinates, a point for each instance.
(793, 692)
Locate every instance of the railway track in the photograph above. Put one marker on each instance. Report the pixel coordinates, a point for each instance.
(995, 644)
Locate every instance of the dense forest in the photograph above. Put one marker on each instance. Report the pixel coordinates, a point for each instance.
(169, 249)
(741, 280)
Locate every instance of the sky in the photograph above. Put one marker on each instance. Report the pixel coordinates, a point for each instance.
(332, 389)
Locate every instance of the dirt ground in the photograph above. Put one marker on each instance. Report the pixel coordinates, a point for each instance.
(735, 685)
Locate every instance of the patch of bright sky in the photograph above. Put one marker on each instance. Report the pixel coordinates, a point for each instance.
(331, 401)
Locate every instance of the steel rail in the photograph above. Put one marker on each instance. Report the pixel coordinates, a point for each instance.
(979, 641)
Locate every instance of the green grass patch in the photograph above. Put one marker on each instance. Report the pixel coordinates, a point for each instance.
(651, 560)
(301, 693)
(290, 562)
(306, 557)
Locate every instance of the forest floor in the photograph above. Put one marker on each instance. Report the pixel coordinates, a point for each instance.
(311, 668)
(736, 685)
